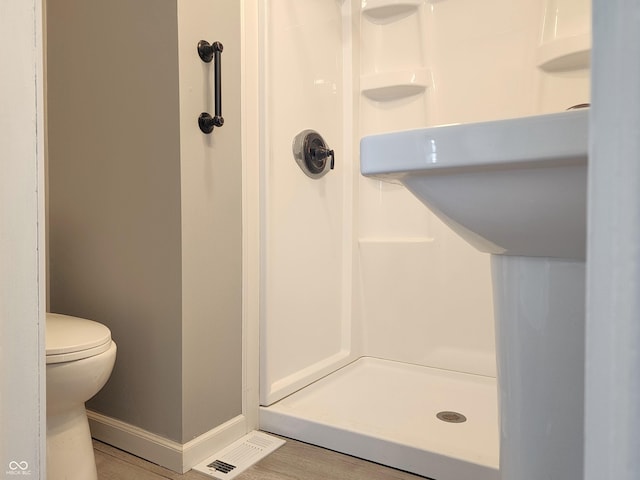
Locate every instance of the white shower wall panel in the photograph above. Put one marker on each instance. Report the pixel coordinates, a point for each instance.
(426, 294)
(427, 301)
(482, 59)
(306, 296)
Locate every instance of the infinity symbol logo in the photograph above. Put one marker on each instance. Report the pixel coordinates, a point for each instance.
(13, 465)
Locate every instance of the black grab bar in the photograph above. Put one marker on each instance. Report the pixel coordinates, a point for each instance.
(212, 51)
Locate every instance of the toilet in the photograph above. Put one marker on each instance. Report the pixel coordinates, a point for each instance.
(80, 358)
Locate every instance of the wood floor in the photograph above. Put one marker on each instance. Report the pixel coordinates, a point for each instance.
(293, 461)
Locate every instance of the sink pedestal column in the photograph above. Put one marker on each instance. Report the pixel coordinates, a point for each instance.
(540, 317)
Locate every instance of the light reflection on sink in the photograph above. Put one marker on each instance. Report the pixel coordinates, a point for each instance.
(510, 187)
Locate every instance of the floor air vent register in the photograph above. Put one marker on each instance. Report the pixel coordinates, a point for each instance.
(240, 455)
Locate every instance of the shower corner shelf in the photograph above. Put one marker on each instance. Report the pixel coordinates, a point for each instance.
(383, 11)
(394, 85)
(566, 53)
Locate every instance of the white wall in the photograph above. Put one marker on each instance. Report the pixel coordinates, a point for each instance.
(22, 380)
(305, 329)
(612, 409)
(426, 294)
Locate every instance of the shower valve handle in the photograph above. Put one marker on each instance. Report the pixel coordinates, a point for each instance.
(311, 153)
(321, 153)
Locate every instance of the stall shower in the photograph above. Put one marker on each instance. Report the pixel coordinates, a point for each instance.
(377, 335)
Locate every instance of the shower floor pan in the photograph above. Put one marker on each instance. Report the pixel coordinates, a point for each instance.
(385, 411)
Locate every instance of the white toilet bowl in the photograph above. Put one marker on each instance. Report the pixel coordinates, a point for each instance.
(80, 358)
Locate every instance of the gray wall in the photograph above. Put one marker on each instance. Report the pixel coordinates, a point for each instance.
(211, 179)
(117, 201)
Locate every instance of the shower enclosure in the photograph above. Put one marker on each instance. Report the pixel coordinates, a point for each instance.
(377, 335)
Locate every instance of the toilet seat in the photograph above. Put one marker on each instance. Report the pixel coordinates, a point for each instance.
(71, 338)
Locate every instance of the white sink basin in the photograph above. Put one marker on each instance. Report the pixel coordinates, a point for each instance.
(516, 188)
(509, 187)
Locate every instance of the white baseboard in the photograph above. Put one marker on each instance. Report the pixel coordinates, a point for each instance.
(162, 451)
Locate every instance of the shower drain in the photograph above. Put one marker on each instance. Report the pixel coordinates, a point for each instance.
(451, 417)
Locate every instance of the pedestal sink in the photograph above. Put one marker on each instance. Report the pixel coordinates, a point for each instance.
(516, 188)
